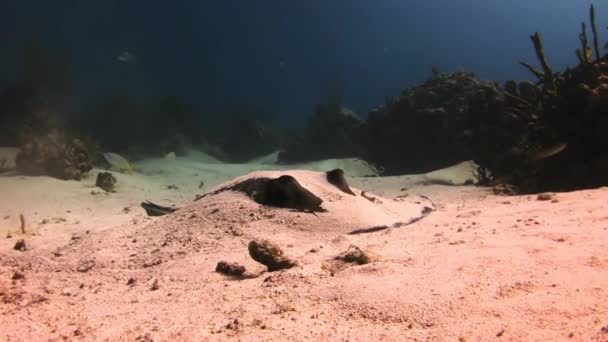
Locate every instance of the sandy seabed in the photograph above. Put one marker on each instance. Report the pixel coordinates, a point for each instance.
(479, 267)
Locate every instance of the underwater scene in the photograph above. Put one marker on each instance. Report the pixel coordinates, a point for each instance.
(339, 170)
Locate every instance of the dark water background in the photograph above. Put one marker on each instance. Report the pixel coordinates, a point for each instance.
(273, 56)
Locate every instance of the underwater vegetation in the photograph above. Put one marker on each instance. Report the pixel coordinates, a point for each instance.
(547, 134)
(560, 123)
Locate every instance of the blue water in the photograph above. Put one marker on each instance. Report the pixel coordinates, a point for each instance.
(274, 55)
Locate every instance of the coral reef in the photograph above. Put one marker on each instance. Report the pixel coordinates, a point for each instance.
(539, 136)
(427, 123)
(548, 135)
(54, 154)
(555, 138)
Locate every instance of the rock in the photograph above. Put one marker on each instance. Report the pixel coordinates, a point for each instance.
(154, 284)
(152, 262)
(505, 190)
(16, 275)
(229, 268)
(234, 324)
(106, 181)
(269, 254)
(85, 265)
(355, 254)
(20, 245)
(545, 196)
(131, 281)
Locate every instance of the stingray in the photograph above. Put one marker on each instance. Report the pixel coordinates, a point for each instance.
(282, 192)
(323, 193)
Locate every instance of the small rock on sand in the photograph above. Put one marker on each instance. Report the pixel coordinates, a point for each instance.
(545, 196)
(355, 254)
(269, 254)
(154, 285)
(230, 268)
(20, 245)
(106, 181)
(505, 190)
(16, 275)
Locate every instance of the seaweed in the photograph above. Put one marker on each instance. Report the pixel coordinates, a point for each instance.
(583, 52)
(596, 43)
(546, 76)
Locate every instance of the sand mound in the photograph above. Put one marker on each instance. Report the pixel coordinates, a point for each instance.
(225, 221)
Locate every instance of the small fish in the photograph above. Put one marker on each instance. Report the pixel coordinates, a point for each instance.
(119, 162)
(546, 152)
(126, 57)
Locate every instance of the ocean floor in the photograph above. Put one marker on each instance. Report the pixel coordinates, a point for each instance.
(475, 267)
